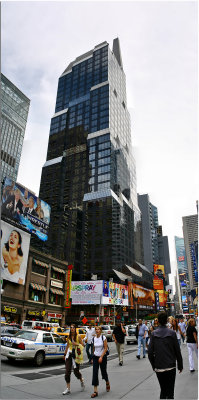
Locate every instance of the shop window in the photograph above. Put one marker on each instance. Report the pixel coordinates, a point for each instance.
(38, 269)
(55, 299)
(36, 295)
(56, 275)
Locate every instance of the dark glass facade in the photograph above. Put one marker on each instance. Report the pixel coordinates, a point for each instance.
(89, 177)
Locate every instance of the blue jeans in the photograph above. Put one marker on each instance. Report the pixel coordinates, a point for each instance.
(141, 341)
(89, 354)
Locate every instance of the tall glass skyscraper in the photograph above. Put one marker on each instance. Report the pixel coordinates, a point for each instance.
(89, 178)
(14, 114)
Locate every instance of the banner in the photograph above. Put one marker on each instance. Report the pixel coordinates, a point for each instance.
(144, 297)
(158, 284)
(158, 271)
(68, 286)
(19, 203)
(86, 292)
(15, 245)
(114, 293)
(162, 298)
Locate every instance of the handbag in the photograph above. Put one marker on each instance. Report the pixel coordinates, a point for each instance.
(73, 353)
(108, 350)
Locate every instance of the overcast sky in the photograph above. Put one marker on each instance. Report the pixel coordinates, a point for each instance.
(159, 50)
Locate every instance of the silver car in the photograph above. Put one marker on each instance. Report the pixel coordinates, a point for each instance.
(107, 330)
(131, 334)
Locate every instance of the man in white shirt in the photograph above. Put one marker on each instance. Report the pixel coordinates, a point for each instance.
(90, 333)
(183, 329)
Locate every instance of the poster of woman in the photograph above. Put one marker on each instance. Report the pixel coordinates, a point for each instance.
(15, 245)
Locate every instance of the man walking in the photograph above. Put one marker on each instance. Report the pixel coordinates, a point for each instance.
(183, 329)
(90, 333)
(142, 331)
(163, 352)
(119, 334)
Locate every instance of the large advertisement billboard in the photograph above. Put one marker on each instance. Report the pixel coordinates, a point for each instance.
(114, 293)
(162, 298)
(15, 245)
(158, 271)
(144, 297)
(18, 203)
(158, 284)
(86, 292)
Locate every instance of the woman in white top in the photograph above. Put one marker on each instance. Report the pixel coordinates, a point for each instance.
(99, 360)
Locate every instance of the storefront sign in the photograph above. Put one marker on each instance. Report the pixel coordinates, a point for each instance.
(34, 313)
(55, 315)
(57, 284)
(10, 309)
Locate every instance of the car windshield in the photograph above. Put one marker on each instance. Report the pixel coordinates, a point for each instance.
(27, 323)
(132, 330)
(66, 330)
(27, 335)
(105, 328)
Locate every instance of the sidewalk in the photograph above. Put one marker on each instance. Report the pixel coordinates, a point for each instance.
(135, 379)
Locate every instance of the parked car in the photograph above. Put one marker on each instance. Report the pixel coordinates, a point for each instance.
(131, 334)
(34, 344)
(8, 330)
(15, 325)
(107, 330)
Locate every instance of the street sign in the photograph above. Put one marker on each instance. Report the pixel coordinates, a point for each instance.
(84, 320)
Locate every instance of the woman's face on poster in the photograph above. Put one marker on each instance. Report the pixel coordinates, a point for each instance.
(14, 240)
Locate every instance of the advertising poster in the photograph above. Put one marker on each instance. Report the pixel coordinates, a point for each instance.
(86, 292)
(14, 253)
(115, 293)
(144, 297)
(158, 284)
(18, 203)
(162, 298)
(158, 271)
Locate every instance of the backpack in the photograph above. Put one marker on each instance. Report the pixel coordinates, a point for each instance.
(108, 350)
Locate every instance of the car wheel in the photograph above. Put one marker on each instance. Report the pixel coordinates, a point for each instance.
(39, 358)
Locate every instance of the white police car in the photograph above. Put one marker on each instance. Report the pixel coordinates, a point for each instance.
(33, 344)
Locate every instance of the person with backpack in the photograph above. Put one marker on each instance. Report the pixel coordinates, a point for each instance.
(100, 349)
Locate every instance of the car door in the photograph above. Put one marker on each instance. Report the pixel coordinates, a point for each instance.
(60, 345)
(49, 345)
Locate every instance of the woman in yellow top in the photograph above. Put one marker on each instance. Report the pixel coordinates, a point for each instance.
(73, 357)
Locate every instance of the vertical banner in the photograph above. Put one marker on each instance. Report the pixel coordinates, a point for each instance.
(68, 286)
(158, 271)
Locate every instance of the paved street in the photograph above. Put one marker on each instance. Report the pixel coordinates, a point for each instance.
(134, 380)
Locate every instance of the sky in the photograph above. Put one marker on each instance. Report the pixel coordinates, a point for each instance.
(158, 42)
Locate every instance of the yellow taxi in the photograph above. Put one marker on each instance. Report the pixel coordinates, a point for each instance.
(65, 332)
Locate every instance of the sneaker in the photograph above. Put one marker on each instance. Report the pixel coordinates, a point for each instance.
(143, 356)
(67, 391)
(82, 385)
(138, 357)
(120, 363)
(192, 370)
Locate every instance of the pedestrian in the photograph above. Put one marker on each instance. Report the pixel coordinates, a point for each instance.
(170, 322)
(142, 329)
(90, 333)
(192, 342)
(183, 329)
(163, 352)
(73, 358)
(177, 329)
(99, 360)
(155, 324)
(119, 334)
(147, 335)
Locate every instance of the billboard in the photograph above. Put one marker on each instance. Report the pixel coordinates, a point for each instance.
(159, 271)
(144, 297)
(158, 284)
(86, 292)
(18, 203)
(15, 245)
(162, 298)
(114, 293)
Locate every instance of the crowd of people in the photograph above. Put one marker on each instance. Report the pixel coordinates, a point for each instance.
(161, 338)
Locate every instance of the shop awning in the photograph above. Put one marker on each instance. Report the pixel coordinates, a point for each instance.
(38, 287)
(58, 270)
(122, 276)
(134, 271)
(41, 263)
(143, 267)
(57, 291)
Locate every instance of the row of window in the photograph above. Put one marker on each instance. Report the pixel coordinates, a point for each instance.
(39, 296)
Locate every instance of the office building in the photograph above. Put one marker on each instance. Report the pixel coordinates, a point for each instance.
(89, 177)
(190, 233)
(14, 114)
